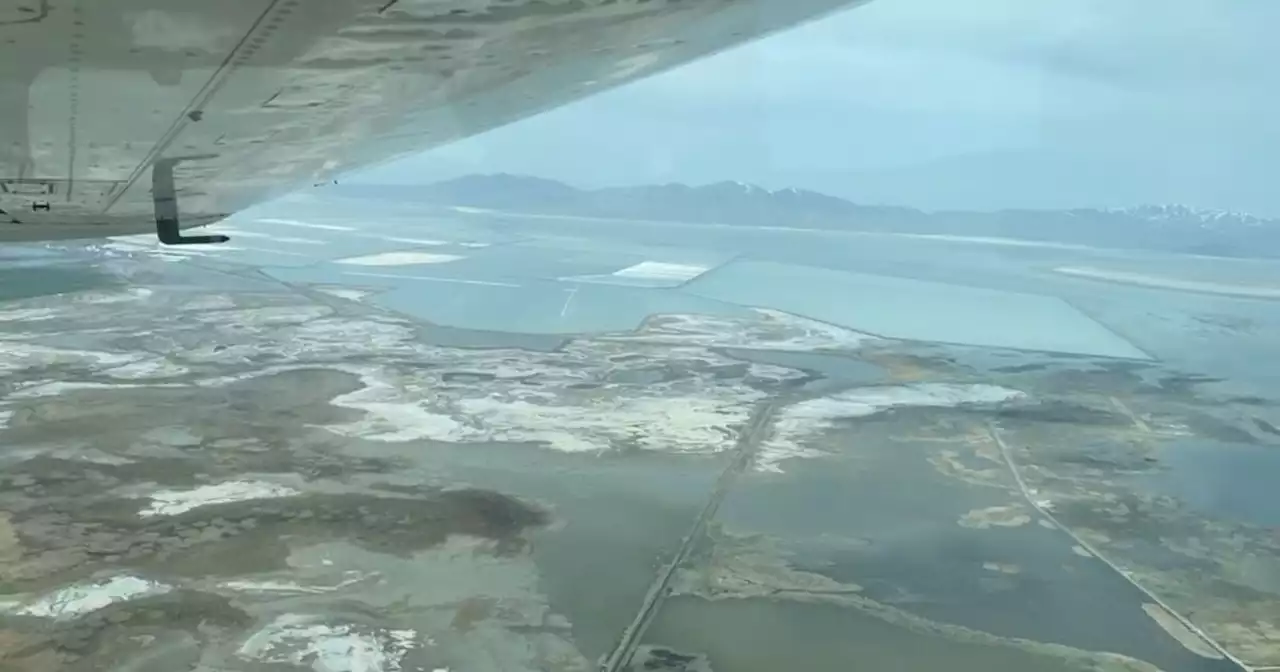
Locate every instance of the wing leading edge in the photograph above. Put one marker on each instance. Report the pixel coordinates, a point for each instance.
(253, 98)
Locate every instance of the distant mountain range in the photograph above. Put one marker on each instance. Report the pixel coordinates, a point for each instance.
(1172, 228)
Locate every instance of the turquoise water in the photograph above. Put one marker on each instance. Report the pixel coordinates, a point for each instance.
(541, 310)
(907, 287)
(915, 309)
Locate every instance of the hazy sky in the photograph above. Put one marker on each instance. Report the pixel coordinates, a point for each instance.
(942, 103)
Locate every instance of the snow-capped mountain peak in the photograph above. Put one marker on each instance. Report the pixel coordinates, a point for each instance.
(1185, 214)
(1165, 227)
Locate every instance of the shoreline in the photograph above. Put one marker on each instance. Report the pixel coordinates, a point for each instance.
(1177, 284)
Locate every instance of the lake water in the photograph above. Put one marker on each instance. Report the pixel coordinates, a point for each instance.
(1234, 481)
(821, 638)
(877, 514)
(915, 309)
(525, 274)
(27, 271)
(521, 282)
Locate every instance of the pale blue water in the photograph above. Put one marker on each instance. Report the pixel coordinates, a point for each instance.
(909, 287)
(915, 309)
(541, 310)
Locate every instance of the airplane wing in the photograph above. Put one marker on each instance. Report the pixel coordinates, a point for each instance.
(243, 100)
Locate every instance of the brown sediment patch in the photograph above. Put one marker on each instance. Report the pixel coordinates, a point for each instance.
(395, 525)
(1185, 636)
(1253, 640)
(1013, 515)
(10, 549)
(950, 463)
(255, 535)
(988, 449)
(1240, 619)
(751, 566)
(471, 610)
(905, 368)
(663, 659)
(26, 652)
(19, 563)
(932, 427)
(1092, 535)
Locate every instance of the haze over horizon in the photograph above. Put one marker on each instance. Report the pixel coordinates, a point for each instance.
(930, 104)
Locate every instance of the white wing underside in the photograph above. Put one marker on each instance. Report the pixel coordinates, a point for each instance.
(259, 97)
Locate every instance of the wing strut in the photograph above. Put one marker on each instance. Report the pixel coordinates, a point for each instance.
(165, 197)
